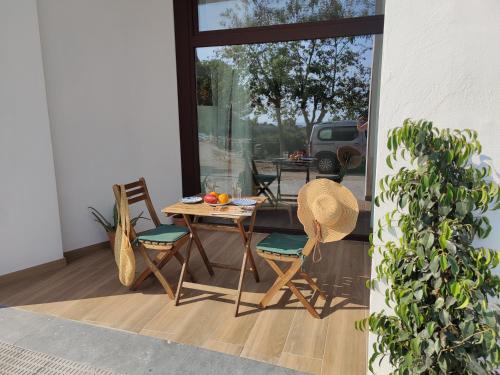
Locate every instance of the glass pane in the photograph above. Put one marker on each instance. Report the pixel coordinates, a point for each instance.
(325, 134)
(272, 116)
(231, 14)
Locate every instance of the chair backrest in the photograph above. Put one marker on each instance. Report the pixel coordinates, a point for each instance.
(137, 191)
(254, 167)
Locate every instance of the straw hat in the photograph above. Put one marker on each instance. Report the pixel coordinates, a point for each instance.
(349, 157)
(328, 206)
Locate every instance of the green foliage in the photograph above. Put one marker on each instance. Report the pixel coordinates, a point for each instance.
(438, 283)
(265, 138)
(313, 79)
(107, 225)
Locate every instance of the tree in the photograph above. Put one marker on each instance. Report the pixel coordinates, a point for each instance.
(312, 78)
(264, 70)
(329, 78)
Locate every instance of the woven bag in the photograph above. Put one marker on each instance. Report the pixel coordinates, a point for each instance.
(124, 253)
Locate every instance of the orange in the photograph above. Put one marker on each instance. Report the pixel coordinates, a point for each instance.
(223, 198)
(215, 194)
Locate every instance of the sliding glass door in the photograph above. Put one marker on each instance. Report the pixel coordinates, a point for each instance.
(271, 115)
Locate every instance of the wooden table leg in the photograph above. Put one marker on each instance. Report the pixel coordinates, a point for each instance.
(196, 239)
(247, 239)
(249, 244)
(240, 283)
(247, 255)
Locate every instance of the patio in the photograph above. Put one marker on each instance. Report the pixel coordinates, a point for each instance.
(88, 290)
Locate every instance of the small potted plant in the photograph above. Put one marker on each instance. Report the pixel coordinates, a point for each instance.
(110, 227)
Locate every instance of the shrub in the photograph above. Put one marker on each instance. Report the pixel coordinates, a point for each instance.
(438, 284)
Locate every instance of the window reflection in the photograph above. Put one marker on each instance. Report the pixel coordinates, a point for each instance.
(227, 14)
(275, 113)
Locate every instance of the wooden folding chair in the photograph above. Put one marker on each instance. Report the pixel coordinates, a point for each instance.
(164, 239)
(291, 249)
(262, 183)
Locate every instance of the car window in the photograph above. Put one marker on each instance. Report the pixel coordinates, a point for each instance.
(325, 134)
(344, 134)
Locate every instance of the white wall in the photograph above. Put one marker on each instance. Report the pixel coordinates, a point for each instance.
(441, 62)
(112, 98)
(29, 216)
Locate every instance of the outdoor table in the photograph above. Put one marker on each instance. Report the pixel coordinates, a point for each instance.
(285, 164)
(192, 213)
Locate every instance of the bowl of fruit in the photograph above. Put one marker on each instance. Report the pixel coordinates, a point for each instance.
(215, 199)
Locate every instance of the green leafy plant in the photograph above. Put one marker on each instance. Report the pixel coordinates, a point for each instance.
(438, 285)
(111, 226)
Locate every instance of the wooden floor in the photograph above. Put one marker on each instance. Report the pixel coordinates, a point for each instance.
(285, 334)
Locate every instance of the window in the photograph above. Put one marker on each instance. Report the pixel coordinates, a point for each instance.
(345, 134)
(231, 14)
(325, 134)
(261, 101)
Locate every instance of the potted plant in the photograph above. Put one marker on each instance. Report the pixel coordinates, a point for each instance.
(438, 284)
(110, 227)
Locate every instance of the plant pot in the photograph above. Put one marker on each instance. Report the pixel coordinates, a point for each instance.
(179, 220)
(111, 237)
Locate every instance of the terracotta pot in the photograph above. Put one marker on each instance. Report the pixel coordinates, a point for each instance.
(111, 237)
(179, 220)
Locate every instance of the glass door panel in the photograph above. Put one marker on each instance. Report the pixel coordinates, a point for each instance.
(273, 116)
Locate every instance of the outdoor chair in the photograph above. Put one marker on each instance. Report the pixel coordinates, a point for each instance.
(291, 249)
(262, 183)
(166, 240)
(328, 211)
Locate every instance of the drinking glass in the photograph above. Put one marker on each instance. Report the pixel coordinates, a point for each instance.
(236, 193)
(209, 186)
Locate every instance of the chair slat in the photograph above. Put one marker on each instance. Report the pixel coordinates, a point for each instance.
(133, 184)
(137, 199)
(131, 193)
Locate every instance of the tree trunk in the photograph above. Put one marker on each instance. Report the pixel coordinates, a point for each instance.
(281, 131)
(309, 125)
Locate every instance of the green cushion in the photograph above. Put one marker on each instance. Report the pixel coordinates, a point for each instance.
(163, 234)
(283, 244)
(265, 178)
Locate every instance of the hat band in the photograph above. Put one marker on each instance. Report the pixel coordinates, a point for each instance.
(318, 239)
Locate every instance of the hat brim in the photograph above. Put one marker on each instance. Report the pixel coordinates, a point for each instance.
(353, 155)
(348, 204)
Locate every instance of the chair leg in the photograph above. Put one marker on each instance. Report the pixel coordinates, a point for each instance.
(303, 299)
(183, 271)
(312, 284)
(159, 262)
(285, 278)
(157, 273)
(272, 197)
(281, 281)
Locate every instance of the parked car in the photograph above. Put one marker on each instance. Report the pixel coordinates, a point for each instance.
(326, 138)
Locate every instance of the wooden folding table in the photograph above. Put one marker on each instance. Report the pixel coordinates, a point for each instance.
(192, 213)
